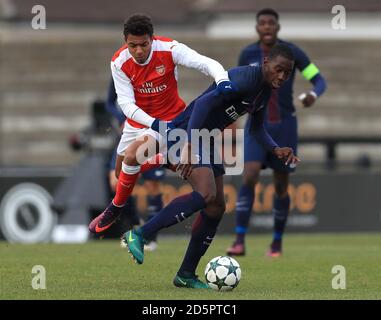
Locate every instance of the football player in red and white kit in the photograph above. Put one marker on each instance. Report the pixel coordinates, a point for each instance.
(145, 77)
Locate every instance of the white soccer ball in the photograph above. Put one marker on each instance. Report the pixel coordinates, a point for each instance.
(223, 273)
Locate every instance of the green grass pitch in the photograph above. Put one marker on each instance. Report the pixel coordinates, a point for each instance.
(103, 270)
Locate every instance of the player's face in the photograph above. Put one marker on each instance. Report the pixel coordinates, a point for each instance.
(267, 29)
(277, 71)
(139, 47)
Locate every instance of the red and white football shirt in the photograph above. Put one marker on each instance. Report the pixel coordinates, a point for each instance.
(152, 86)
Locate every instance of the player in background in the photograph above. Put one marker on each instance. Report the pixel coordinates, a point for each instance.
(145, 76)
(281, 122)
(211, 111)
(152, 178)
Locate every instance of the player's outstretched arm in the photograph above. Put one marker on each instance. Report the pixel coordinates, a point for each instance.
(308, 99)
(311, 73)
(203, 106)
(185, 56)
(257, 127)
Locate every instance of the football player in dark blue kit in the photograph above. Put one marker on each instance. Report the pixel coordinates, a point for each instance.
(247, 91)
(281, 123)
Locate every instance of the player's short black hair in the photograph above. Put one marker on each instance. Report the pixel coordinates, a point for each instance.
(281, 50)
(138, 25)
(267, 11)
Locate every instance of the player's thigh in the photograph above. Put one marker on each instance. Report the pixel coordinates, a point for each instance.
(251, 172)
(281, 181)
(140, 150)
(132, 139)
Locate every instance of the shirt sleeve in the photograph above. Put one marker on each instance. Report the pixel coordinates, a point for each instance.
(126, 97)
(309, 71)
(185, 56)
(302, 61)
(203, 106)
(257, 127)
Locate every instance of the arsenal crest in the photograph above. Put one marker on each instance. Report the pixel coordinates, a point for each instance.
(160, 69)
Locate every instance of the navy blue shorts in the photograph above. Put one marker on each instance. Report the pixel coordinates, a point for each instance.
(157, 174)
(206, 157)
(284, 134)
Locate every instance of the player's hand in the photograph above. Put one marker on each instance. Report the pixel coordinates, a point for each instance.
(287, 154)
(307, 99)
(187, 159)
(158, 125)
(226, 87)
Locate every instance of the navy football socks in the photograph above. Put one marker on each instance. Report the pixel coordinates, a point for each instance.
(176, 211)
(243, 211)
(204, 229)
(154, 204)
(281, 207)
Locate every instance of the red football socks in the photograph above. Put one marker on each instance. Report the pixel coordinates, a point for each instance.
(125, 186)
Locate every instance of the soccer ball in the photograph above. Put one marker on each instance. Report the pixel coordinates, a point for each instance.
(223, 273)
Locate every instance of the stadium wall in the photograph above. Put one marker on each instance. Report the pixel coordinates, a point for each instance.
(320, 202)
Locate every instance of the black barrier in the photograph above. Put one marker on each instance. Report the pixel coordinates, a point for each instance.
(320, 202)
(26, 213)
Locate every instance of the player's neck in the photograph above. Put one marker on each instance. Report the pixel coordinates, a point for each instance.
(267, 47)
(264, 81)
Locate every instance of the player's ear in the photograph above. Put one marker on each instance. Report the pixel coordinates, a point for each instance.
(278, 28)
(265, 60)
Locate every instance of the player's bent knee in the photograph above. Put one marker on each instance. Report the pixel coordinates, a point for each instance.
(209, 196)
(219, 209)
(216, 210)
(130, 158)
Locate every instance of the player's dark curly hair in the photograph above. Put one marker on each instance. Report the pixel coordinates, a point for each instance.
(281, 50)
(138, 25)
(267, 11)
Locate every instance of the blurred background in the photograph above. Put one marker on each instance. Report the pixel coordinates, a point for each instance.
(55, 136)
